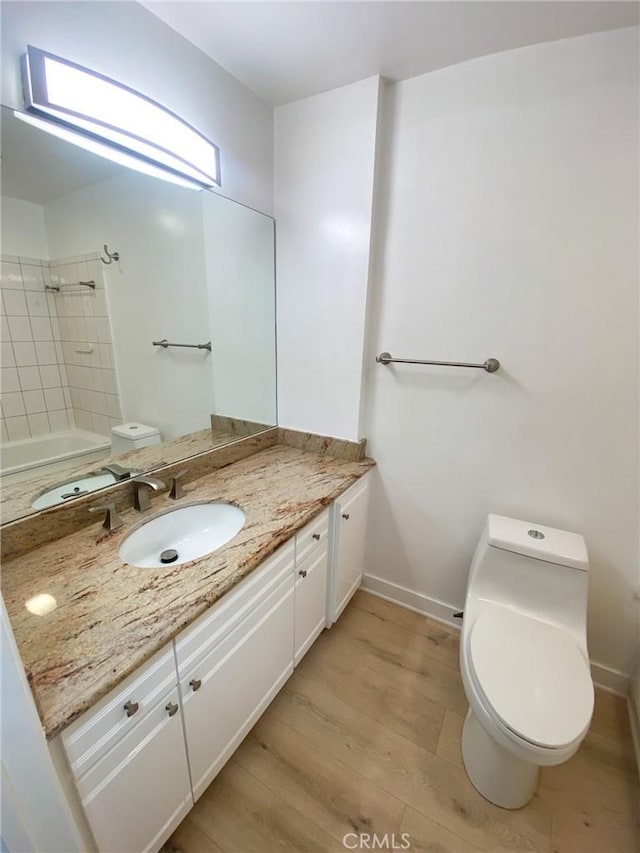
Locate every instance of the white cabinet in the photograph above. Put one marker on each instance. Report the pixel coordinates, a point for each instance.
(128, 760)
(312, 559)
(143, 754)
(349, 531)
(140, 791)
(232, 664)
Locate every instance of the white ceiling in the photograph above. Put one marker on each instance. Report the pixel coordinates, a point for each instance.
(284, 51)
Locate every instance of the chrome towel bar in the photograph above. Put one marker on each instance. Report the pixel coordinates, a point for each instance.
(164, 343)
(57, 287)
(490, 365)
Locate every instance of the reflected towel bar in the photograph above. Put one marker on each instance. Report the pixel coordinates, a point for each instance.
(490, 365)
(164, 343)
(57, 287)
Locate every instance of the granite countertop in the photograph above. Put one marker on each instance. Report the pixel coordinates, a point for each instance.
(16, 497)
(111, 617)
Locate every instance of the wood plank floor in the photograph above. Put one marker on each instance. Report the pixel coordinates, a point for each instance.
(365, 738)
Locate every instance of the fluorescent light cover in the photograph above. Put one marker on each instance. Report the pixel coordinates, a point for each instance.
(94, 104)
(105, 150)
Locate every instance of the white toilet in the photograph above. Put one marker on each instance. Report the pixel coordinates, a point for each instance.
(523, 656)
(131, 436)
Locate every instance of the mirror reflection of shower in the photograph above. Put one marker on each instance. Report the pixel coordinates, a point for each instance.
(60, 394)
(98, 263)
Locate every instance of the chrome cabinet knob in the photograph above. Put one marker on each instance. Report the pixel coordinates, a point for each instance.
(345, 515)
(131, 708)
(315, 536)
(195, 684)
(303, 573)
(171, 708)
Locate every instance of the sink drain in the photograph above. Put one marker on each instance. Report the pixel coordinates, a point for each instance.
(169, 556)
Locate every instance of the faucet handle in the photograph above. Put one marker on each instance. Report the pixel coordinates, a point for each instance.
(112, 520)
(176, 486)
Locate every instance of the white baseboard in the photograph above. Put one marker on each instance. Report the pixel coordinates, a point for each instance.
(608, 679)
(438, 610)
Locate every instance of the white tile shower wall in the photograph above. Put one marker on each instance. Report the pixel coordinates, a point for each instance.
(34, 392)
(86, 343)
(58, 368)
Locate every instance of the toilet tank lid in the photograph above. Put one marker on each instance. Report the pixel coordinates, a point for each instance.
(535, 540)
(135, 430)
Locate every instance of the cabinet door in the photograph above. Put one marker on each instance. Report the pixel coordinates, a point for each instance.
(310, 600)
(97, 731)
(226, 691)
(136, 795)
(350, 531)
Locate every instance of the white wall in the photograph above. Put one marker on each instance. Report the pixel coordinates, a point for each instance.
(156, 290)
(125, 41)
(511, 230)
(324, 169)
(34, 812)
(23, 231)
(239, 268)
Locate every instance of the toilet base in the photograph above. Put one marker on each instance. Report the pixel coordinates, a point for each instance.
(498, 775)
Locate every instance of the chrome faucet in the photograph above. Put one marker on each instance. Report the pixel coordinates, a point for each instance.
(141, 499)
(118, 471)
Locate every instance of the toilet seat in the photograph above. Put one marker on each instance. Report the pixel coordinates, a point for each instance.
(532, 675)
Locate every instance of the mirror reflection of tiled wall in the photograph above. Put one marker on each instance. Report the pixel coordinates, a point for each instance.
(58, 368)
(87, 345)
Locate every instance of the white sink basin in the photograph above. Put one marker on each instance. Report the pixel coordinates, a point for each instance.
(72, 489)
(181, 535)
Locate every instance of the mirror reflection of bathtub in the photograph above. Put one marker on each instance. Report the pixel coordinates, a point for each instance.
(32, 458)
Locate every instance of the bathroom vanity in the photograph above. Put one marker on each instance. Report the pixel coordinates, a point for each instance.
(147, 680)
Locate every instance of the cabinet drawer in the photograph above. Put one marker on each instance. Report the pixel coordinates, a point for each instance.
(95, 732)
(210, 629)
(314, 535)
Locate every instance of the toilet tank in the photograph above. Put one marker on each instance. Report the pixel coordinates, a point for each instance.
(132, 436)
(538, 570)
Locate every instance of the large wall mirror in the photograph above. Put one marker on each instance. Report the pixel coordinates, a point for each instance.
(78, 353)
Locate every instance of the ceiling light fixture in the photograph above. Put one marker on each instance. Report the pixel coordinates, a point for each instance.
(115, 121)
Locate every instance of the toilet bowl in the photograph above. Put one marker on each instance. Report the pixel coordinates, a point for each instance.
(523, 657)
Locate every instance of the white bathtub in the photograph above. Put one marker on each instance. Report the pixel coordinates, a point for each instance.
(33, 457)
